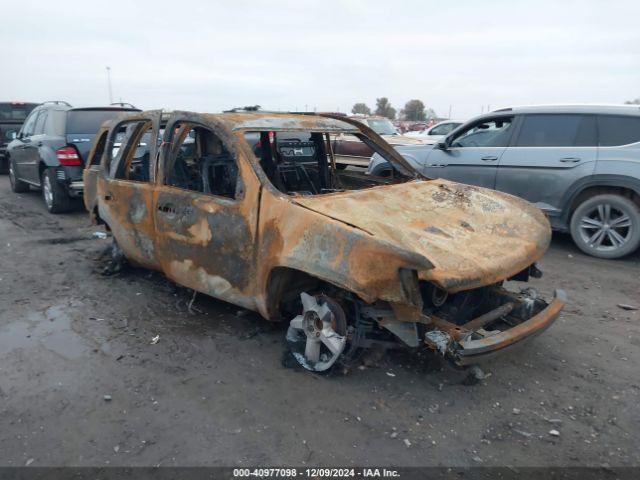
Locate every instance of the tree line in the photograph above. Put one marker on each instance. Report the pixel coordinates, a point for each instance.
(414, 110)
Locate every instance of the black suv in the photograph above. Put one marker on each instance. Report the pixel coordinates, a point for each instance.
(50, 150)
(12, 116)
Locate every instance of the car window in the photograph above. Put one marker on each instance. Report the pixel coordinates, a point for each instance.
(27, 129)
(443, 129)
(89, 121)
(38, 129)
(488, 133)
(618, 130)
(382, 126)
(557, 131)
(200, 161)
(15, 111)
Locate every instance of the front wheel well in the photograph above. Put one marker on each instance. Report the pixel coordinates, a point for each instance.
(284, 287)
(590, 192)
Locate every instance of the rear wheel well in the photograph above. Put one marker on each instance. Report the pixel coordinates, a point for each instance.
(284, 287)
(41, 168)
(590, 192)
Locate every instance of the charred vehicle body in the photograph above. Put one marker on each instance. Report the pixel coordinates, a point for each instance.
(349, 260)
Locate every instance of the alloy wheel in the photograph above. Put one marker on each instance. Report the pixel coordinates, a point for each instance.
(605, 227)
(46, 191)
(317, 336)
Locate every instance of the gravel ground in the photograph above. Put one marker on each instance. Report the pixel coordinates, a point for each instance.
(82, 382)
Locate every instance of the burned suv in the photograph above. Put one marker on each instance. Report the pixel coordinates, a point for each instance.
(304, 242)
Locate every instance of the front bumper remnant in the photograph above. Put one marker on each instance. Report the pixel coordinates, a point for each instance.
(474, 351)
(466, 350)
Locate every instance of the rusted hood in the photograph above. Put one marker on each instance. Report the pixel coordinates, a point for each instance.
(473, 236)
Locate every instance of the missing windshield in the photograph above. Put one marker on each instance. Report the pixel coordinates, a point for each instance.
(304, 163)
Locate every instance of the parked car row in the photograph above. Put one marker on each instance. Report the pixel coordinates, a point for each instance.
(578, 164)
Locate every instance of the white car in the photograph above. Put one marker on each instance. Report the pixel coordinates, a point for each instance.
(435, 133)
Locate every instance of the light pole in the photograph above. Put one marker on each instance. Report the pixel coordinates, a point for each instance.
(109, 84)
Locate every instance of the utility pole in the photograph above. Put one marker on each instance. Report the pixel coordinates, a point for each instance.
(109, 84)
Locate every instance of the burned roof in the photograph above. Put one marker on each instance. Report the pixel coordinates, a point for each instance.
(257, 121)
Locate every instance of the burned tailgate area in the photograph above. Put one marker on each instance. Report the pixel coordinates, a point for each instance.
(250, 208)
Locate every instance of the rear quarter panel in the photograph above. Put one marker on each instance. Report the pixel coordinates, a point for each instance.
(623, 161)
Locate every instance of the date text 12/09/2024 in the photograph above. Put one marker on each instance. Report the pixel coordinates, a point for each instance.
(315, 473)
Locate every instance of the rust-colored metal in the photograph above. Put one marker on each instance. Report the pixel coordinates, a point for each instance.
(489, 317)
(251, 249)
(471, 351)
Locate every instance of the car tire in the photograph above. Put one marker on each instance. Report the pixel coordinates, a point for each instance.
(606, 226)
(17, 186)
(55, 198)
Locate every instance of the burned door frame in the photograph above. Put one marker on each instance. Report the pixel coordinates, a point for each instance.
(92, 171)
(126, 206)
(206, 241)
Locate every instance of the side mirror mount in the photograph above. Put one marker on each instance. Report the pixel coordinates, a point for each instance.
(442, 145)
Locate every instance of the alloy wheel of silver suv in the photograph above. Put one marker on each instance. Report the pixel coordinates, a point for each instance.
(607, 226)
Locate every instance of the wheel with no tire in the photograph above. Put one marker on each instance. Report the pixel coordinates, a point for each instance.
(607, 226)
(18, 186)
(318, 335)
(55, 198)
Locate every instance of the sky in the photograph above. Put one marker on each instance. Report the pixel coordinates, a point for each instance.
(462, 56)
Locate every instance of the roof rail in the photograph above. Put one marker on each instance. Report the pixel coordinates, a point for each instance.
(123, 104)
(57, 102)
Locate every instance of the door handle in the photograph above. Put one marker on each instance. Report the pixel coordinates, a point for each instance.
(39, 144)
(489, 158)
(436, 165)
(570, 160)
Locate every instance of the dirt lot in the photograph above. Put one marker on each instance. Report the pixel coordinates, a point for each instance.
(82, 384)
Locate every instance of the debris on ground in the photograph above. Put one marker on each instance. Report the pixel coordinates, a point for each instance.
(475, 375)
(625, 306)
(106, 398)
(407, 442)
(155, 339)
(390, 374)
(100, 235)
(554, 433)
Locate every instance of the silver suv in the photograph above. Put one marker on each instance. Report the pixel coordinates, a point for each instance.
(579, 164)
